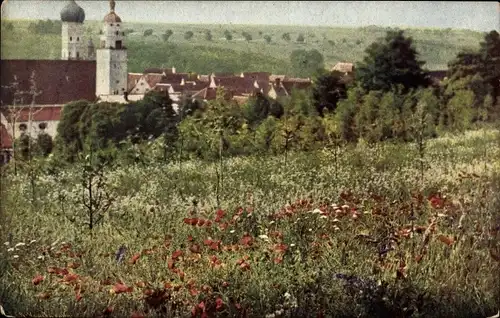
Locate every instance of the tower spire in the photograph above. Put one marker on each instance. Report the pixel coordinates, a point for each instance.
(112, 5)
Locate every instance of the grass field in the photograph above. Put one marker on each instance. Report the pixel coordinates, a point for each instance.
(419, 243)
(437, 46)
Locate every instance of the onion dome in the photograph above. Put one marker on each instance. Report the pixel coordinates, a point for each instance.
(72, 12)
(112, 17)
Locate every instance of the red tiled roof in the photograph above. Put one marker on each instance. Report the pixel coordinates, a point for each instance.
(153, 79)
(176, 78)
(156, 70)
(260, 76)
(41, 113)
(132, 77)
(5, 138)
(343, 67)
(237, 85)
(59, 81)
(290, 85)
(223, 74)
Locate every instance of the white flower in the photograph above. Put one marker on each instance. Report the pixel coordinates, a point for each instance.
(20, 244)
(232, 231)
(292, 245)
(287, 295)
(32, 241)
(345, 206)
(317, 211)
(6, 243)
(272, 222)
(336, 228)
(263, 236)
(15, 256)
(10, 249)
(41, 257)
(310, 230)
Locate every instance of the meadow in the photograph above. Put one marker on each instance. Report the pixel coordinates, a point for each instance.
(384, 230)
(436, 46)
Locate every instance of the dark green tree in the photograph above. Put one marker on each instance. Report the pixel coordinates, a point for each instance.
(208, 35)
(188, 35)
(167, 35)
(247, 36)
(286, 37)
(148, 32)
(327, 91)
(228, 35)
(301, 38)
(390, 62)
(306, 63)
(267, 38)
(69, 140)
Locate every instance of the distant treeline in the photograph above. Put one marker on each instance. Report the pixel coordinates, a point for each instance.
(46, 27)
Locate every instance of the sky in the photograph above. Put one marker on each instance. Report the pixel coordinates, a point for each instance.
(474, 15)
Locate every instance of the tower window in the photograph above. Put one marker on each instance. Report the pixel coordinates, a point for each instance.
(77, 39)
(116, 33)
(118, 24)
(117, 82)
(77, 54)
(111, 24)
(123, 33)
(118, 44)
(71, 38)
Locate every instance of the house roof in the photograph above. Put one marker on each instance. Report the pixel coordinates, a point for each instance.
(237, 85)
(132, 77)
(176, 78)
(157, 70)
(279, 89)
(290, 85)
(274, 77)
(343, 67)
(58, 81)
(5, 138)
(153, 79)
(223, 75)
(40, 113)
(264, 76)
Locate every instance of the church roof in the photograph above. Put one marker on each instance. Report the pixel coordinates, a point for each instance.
(58, 81)
(72, 12)
(112, 17)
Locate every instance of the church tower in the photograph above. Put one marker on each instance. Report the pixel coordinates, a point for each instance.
(73, 45)
(111, 57)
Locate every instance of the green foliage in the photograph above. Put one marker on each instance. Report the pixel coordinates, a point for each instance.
(228, 35)
(165, 36)
(148, 32)
(300, 38)
(306, 63)
(390, 62)
(45, 144)
(128, 31)
(267, 38)
(327, 92)
(188, 35)
(247, 36)
(286, 37)
(68, 141)
(208, 35)
(46, 27)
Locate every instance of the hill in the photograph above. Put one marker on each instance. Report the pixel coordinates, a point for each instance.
(436, 46)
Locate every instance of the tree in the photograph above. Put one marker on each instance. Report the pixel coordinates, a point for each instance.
(148, 32)
(188, 35)
(391, 61)
(306, 63)
(300, 38)
(267, 38)
(228, 35)
(44, 141)
(327, 92)
(208, 35)
(286, 37)
(247, 36)
(490, 54)
(167, 35)
(257, 109)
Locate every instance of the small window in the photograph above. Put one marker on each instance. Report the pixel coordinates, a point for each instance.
(71, 38)
(77, 38)
(77, 54)
(118, 44)
(123, 89)
(117, 82)
(116, 33)
(22, 127)
(142, 84)
(147, 89)
(111, 24)
(42, 126)
(118, 24)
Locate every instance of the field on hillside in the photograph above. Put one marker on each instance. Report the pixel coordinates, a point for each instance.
(437, 46)
(368, 231)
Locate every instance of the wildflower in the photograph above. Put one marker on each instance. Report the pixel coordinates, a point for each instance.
(32, 241)
(15, 256)
(10, 249)
(264, 237)
(292, 245)
(41, 257)
(287, 295)
(6, 243)
(20, 244)
(232, 231)
(37, 280)
(316, 211)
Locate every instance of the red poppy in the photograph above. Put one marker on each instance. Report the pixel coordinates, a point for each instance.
(281, 248)
(68, 278)
(278, 260)
(37, 280)
(119, 288)
(219, 304)
(246, 240)
(193, 291)
(176, 254)
(135, 258)
(207, 242)
(208, 223)
(78, 296)
(201, 222)
(215, 245)
(136, 314)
